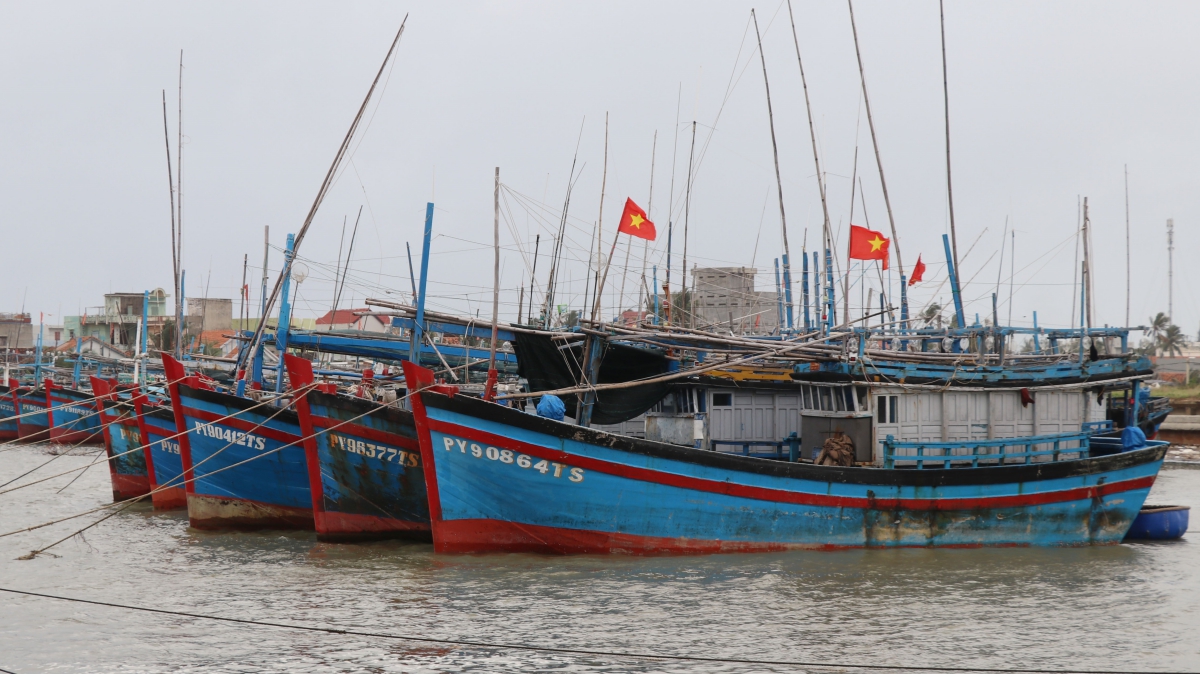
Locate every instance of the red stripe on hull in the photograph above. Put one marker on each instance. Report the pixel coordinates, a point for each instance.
(65, 437)
(170, 498)
(481, 536)
(32, 433)
(782, 495)
(9, 435)
(335, 526)
(211, 512)
(125, 487)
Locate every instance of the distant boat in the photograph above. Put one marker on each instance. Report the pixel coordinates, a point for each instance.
(35, 427)
(8, 413)
(122, 443)
(156, 424)
(72, 416)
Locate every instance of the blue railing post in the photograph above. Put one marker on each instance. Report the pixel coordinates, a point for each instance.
(78, 359)
(787, 290)
(285, 310)
(657, 307)
(779, 299)
(954, 289)
(793, 442)
(804, 290)
(418, 331)
(889, 452)
(1037, 345)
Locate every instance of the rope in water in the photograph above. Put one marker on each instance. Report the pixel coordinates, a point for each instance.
(584, 651)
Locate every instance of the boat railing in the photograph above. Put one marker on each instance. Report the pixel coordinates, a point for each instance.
(782, 448)
(985, 453)
(1094, 427)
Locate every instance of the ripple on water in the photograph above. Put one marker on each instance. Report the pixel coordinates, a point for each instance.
(1134, 606)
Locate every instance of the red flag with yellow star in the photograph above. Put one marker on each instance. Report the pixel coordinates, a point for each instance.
(866, 244)
(634, 222)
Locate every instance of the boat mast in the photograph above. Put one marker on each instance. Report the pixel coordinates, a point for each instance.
(687, 210)
(328, 181)
(946, 104)
(174, 246)
(787, 271)
(179, 201)
(490, 389)
(556, 250)
(887, 202)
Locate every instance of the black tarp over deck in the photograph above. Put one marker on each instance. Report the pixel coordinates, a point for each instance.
(550, 365)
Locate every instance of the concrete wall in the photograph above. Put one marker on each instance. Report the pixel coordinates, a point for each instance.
(209, 314)
(726, 296)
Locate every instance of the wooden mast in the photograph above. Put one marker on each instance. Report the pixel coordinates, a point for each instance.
(787, 256)
(490, 389)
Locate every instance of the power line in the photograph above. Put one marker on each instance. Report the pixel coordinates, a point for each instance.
(578, 651)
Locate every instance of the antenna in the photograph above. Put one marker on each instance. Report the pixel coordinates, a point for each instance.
(1171, 268)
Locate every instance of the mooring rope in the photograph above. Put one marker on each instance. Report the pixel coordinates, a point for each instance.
(125, 505)
(636, 655)
(139, 448)
(129, 503)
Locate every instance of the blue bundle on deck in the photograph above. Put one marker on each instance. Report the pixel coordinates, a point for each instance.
(552, 407)
(1132, 438)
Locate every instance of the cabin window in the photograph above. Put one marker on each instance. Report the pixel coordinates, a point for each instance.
(806, 394)
(722, 400)
(826, 398)
(886, 409)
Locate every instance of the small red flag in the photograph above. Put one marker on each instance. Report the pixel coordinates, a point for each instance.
(635, 223)
(866, 244)
(918, 272)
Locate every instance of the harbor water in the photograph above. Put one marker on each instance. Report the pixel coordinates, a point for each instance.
(1126, 607)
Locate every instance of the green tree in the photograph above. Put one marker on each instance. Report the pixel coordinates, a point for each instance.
(1158, 324)
(932, 315)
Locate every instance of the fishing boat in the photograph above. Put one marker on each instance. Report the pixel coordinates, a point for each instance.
(248, 463)
(8, 413)
(503, 480)
(364, 463)
(127, 465)
(164, 463)
(32, 425)
(72, 415)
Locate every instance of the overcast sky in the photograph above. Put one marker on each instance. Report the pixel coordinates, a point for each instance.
(1048, 102)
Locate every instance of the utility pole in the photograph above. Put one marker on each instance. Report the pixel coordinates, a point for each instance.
(1171, 268)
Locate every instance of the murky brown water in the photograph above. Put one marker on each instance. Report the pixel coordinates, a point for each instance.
(1123, 607)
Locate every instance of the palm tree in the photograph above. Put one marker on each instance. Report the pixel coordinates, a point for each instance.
(932, 314)
(1171, 341)
(1158, 324)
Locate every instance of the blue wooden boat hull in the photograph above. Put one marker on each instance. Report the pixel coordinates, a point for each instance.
(123, 444)
(72, 417)
(269, 488)
(36, 426)
(502, 480)
(157, 427)
(368, 480)
(8, 410)
(1159, 523)
(371, 483)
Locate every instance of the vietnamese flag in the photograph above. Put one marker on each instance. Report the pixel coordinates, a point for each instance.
(918, 272)
(866, 244)
(635, 223)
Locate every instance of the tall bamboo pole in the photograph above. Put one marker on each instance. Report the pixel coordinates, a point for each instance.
(787, 260)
